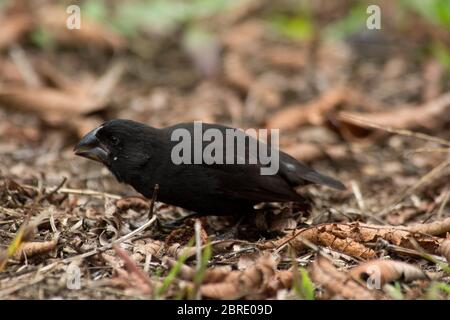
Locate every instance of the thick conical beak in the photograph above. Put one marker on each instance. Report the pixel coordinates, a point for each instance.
(90, 147)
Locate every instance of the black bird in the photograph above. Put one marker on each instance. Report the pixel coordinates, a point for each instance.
(140, 155)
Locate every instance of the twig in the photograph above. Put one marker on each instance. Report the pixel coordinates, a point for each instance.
(152, 205)
(428, 150)
(358, 195)
(198, 251)
(424, 179)
(403, 132)
(85, 192)
(58, 187)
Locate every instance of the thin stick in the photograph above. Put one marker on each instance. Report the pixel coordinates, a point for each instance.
(424, 179)
(198, 251)
(428, 150)
(84, 192)
(358, 195)
(403, 132)
(55, 190)
(152, 205)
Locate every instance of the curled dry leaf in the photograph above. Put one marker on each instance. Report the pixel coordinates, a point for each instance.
(444, 250)
(148, 246)
(386, 271)
(324, 235)
(176, 250)
(339, 284)
(435, 228)
(29, 249)
(351, 238)
(252, 281)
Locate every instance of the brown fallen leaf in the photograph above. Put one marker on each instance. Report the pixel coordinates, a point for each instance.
(29, 249)
(252, 282)
(386, 271)
(313, 113)
(338, 283)
(48, 101)
(176, 250)
(435, 228)
(323, 235)
(144, 247)
(352, 238)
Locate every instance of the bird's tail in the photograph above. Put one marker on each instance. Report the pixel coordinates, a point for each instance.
(318, 178)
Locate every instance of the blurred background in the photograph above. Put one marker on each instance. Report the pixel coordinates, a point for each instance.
(299, 66)
(312, 69)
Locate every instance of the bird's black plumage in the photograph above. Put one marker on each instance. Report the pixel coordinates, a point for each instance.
(140, 155)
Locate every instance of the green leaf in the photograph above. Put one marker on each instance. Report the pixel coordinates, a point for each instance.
(299, 27)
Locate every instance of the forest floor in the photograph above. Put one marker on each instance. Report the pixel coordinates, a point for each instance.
(372, 110)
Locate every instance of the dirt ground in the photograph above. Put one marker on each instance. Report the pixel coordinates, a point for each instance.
(369, 107)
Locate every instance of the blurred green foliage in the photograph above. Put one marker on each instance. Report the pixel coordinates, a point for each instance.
(435, 289)
(394, 291)
(296, 27)
(435, 11)
(303, 285)
(42, 38)
(155, 15)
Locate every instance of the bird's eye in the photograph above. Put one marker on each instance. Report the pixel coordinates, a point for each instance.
(114, 141)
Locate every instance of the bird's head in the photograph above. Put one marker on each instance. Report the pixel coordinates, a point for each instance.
(124, 146)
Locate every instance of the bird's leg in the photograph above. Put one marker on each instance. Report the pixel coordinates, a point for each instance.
(233, 233)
